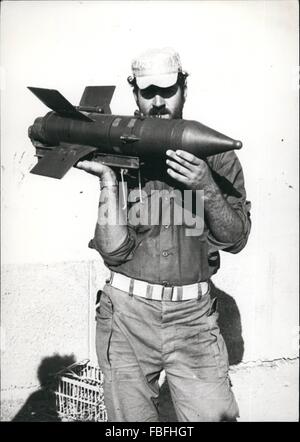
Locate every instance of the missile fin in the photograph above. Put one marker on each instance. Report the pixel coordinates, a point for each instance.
(58, 103)
(57, 162)
(98, 96)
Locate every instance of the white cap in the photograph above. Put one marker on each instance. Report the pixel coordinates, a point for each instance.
(159, 67)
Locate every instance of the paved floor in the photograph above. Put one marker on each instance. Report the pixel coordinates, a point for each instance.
(266, 391)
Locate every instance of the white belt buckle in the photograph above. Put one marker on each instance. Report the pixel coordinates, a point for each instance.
(167, 293)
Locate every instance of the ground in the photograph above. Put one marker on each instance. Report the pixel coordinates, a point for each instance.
(265, 391)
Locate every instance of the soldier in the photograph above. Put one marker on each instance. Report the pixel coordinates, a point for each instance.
(156, 311)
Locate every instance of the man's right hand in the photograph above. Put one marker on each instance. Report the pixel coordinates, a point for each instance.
(105, 173)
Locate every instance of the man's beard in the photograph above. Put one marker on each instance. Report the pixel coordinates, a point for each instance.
(165, 113)
(161, 113)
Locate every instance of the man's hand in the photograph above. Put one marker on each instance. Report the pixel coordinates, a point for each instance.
(224, 223)
(188, 170)
(105, 173)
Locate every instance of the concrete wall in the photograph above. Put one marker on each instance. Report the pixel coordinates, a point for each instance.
(47, 317)
(243, 61)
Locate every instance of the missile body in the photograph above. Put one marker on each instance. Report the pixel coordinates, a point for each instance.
(132, 135)
(142, 137)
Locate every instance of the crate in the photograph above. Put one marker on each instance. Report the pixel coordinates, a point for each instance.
(79, 393)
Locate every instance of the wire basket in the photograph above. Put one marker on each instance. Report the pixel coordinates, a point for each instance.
(79, 393)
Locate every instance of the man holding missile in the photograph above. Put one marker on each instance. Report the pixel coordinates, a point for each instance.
(156, 312)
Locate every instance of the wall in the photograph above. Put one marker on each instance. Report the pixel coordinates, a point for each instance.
(243, 61)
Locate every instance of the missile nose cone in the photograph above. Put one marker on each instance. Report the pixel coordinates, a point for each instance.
(237, 144)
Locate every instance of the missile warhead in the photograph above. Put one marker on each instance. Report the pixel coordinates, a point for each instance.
(204, 141)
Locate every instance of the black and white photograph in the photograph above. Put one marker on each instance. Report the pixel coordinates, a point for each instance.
(150, 213)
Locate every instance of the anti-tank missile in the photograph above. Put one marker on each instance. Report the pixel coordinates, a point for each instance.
(119, 141)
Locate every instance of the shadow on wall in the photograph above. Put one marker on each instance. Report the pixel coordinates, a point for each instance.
(40, 406)
(230, 325)
(231, 330)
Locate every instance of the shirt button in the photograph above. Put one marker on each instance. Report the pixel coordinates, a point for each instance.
(165, 253)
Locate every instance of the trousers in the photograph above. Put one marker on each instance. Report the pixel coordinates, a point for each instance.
(137, 338)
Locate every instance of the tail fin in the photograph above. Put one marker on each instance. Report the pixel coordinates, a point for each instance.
(98, 96)
(57, 162)
(58, 103)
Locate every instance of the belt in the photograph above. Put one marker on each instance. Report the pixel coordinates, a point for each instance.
(156, 291)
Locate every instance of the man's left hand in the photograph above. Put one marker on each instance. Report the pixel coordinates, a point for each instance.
(188, 169)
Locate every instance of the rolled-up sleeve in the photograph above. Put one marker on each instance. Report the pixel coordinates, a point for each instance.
(228, 174)
(122, 254)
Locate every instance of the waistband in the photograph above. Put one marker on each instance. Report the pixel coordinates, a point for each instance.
(158, 292)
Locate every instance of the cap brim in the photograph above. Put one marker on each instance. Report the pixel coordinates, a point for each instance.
(165, 80)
